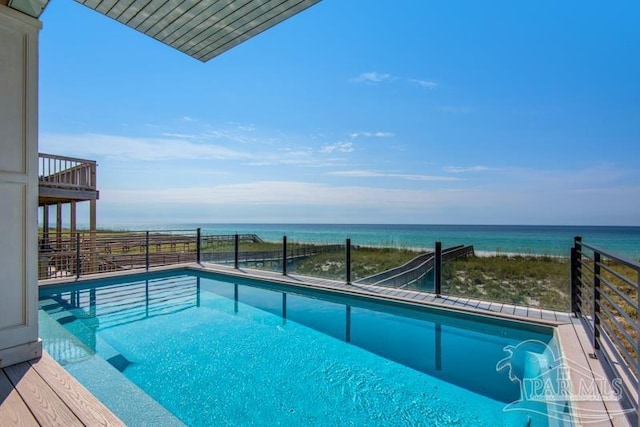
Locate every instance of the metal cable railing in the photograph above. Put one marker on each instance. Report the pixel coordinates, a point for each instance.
(605, 292)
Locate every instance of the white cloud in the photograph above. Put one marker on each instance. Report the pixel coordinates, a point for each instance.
(237, 135)
(377, 134)
(427, 84)
(372, 78)
(523, 196)
(287, 201)
(134, 148)
(182, 135)
(376, 174)
(273, 193)
(459, 169)
(343, 147)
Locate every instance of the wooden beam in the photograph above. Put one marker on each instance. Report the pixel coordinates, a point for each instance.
(65, 194)
(92, 215)
(45, 222)
(92, 229)
(72, 217)
(59, 224)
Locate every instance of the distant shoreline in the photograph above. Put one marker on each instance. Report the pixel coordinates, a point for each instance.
(486, 254)
(507, 240)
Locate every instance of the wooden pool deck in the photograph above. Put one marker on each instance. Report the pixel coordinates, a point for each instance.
(41, 393)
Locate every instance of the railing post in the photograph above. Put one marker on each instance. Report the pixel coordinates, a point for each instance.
(576, 277)
(348, 262)
(146, 249)
(198, 245)
(573, 268)
(284, 255)
(78, 259)
(596, 300)
(437, 269)
(235, 250)
(638, 342)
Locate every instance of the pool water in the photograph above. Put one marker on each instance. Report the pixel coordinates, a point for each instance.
(205, 349)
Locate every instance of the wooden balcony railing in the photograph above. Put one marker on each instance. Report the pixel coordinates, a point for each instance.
(66, 172)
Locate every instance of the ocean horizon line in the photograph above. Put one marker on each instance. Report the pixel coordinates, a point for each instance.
(555, 240)
(162, 223)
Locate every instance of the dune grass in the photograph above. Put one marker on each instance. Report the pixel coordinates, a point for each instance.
(365, 261)
(524, 280)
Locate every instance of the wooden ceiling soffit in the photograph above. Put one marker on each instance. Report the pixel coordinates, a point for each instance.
(201, 29)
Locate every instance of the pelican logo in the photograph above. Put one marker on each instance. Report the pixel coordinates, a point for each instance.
(549, 384)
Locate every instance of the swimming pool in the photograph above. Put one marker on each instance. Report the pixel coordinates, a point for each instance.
(200, 348)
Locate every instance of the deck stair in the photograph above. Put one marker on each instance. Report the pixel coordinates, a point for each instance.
(416, 269)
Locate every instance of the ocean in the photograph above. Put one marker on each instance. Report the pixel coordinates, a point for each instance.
(522, 239)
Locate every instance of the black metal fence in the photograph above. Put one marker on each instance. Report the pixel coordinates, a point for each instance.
(605, 292)
(69, 254)
(75, 254)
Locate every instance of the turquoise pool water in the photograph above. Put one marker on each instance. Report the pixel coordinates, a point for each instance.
(212, 350)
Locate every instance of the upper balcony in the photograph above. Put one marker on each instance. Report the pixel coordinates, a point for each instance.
(65, 179)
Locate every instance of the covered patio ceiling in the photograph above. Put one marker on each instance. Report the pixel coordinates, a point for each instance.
(202, 29)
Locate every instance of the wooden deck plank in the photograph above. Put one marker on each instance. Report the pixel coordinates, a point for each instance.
(412, 295)
(46, 406)
(576, 347)
(496, 306)
(404, 294)
(83, 404)
(391, 292)
(426, 297)
(520, 311)
(508, 308)
(447, 300)
(534, 313)
(484, 305)
(430, 298)
(462, 301)
(473, 303)
(575, 354)
(13, 410)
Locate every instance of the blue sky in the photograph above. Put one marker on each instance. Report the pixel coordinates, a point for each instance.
(466, 112)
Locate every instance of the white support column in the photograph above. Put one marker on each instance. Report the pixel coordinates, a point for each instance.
(18, 187)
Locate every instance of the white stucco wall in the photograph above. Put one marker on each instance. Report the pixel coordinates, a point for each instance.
(18, 186)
